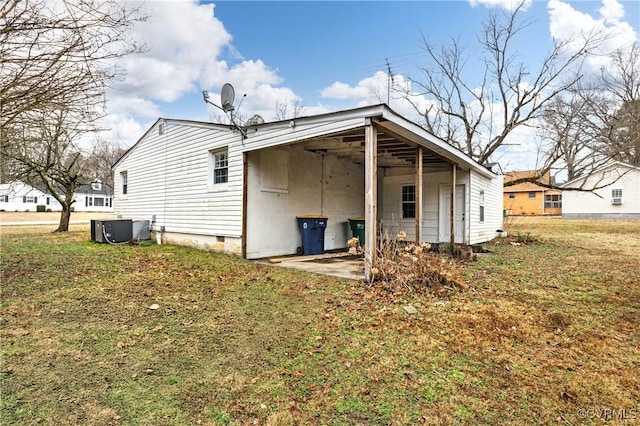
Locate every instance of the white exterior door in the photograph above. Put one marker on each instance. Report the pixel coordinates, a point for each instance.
(445, 213)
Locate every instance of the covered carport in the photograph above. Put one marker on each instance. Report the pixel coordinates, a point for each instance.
(373, 139)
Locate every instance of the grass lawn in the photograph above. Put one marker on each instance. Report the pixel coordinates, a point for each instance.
(546, 333)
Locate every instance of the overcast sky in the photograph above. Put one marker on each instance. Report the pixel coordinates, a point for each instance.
(325, 55)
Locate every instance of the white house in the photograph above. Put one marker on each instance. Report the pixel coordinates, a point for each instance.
(19, 196)
(616, 194)
(211, 186)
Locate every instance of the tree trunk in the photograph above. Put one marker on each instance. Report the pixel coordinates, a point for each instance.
(65, 216)
(64, 219)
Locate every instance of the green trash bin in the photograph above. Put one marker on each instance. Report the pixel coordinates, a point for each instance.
(357, 228)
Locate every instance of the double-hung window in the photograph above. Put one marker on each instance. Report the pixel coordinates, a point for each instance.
(219, 161)
(616, 196)
(409, 202)
(125, 181)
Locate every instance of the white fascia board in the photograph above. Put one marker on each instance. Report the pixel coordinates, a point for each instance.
(300, 129)
(437, 145)
(600, 170)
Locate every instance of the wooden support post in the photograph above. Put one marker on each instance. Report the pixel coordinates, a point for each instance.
(419, 196)
(453, 208)
(370, 197)
(245, 188)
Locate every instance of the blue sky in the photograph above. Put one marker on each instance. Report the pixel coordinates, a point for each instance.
(325, 55)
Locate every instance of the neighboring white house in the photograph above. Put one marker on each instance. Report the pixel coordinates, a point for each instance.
(209, 186)
(19, 196)
(617, 194)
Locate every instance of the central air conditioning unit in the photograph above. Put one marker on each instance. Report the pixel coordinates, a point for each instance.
(111, 230)
(616, 201)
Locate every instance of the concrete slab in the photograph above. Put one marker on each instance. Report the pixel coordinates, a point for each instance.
(341, 265)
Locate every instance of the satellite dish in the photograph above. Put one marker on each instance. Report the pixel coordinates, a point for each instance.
(227, 96)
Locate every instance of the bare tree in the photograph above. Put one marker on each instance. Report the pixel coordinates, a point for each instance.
(55, 66)
(478, 117)
(596, 121)
(104, 154)
(571, 125)
(620, 84)
(286, 111)
(49, 155)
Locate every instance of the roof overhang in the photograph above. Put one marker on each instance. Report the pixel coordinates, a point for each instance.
(342, 135)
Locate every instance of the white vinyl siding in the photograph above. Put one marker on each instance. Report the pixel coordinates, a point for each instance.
(168, 177)
(391, 212)
(598, 204)
(484, 230)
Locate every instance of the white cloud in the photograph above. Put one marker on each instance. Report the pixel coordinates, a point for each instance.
(569, 25)
(184, 39)
(340, 90)
(187, 51)
(378, 89)
(134, 106)
(504, 4)
(125, 129)
(612, 11)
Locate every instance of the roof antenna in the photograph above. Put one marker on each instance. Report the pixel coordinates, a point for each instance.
(227, 96)
(390, 80)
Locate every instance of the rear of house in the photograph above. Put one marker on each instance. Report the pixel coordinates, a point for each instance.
(207, 185)
(611, 192)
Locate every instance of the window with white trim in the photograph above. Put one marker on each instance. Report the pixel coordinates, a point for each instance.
(616, 196)
(29, 199)
(4, 198)
(98, 202)
(219, 164)
(408, 201)
(481, 204)
(125, 181)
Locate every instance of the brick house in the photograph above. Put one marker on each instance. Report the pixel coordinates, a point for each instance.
(530, 198)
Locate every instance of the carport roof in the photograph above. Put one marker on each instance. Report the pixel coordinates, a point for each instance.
(342, 134)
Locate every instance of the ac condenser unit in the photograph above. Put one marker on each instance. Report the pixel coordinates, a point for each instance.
(111, 230)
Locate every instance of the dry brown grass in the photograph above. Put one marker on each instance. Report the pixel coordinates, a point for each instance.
(545, 331)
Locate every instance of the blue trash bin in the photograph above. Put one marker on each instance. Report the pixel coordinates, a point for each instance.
(312, 231)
